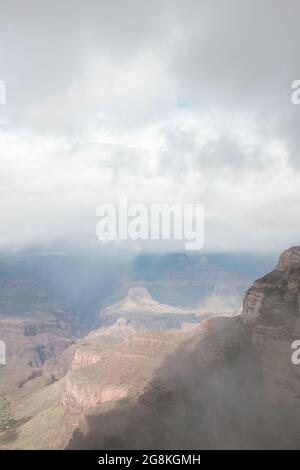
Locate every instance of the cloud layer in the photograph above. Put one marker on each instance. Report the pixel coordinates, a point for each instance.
(164, 101)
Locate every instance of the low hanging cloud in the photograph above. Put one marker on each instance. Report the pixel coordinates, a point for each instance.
(164, 102)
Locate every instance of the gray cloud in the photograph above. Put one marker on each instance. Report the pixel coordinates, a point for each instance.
(166, 100)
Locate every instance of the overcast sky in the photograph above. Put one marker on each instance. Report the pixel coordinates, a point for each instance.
(161, 101)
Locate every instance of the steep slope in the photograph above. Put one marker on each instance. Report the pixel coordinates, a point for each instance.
(272, 312)
(232, 387)
(104, 369)
(228, 382)
(34, 325)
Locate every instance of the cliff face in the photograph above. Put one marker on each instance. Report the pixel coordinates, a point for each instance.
(34, 323)
(272, 312)
(274, 300)
(35, 340)
(289, 258)
(104, 370)
(232, 386)
(107, 369)
(228, 382)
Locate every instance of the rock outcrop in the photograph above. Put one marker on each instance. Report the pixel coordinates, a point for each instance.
(34, 339)
(107, 369)
(272, 311)
(233, 386)
(228, 382)
(141, 311)
(104, 370)
(289, 258)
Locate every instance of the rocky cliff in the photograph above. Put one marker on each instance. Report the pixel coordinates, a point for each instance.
(272, 312)
(107, 369)
(104, 369)
(142, 311)
(35, 327)
(227, 382)
(233, 386)
(35, 339)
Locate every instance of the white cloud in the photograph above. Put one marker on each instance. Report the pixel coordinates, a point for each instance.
(160, 101)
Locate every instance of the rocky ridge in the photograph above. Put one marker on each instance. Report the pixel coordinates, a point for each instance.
(233, 386)
(226, 383)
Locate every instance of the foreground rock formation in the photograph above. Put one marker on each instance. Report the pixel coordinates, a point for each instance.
(233, 386)
(103, 370)
(227, 382)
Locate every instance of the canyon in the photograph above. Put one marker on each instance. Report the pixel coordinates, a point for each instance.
(231, 386)
(184, 385)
